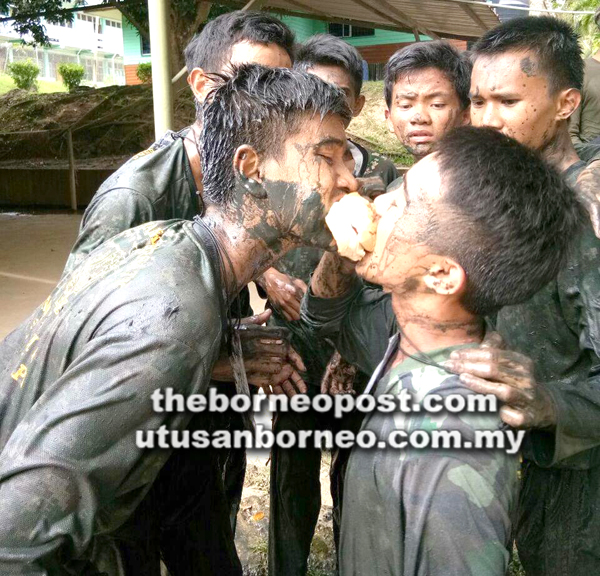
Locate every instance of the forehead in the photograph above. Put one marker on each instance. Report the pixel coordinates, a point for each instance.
(332, 74)
(314, 130)
(515, 68)
(424, 81)
(270, 55)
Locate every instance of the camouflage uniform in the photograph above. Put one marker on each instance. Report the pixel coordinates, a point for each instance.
(144, 311)
(559, 329)
(426, 512)
(295, 485)
(158, 184)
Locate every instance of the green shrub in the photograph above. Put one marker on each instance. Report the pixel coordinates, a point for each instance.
(144, 72)
(72, 75)
(24, 74)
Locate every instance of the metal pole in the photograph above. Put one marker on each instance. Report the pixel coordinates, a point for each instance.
(158, 17)
(72, 176)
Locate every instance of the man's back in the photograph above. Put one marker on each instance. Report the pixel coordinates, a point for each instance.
(143, 312)
(156, 184)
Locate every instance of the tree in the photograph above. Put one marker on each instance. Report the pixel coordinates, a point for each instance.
(585, 25)
(187, 18)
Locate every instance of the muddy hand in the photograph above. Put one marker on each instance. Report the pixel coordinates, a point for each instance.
(339, 376)
(588, 188)
(510, 377)
(284, 293)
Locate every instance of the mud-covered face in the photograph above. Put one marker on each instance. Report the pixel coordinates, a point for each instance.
(510, 94)
(400, 256)
(307, 179)
(425, 106)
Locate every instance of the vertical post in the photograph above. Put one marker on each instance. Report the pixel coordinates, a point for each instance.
(72, 175)
(159, 17)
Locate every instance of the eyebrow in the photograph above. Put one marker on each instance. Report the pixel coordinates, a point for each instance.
(496, 94)
(331, 141)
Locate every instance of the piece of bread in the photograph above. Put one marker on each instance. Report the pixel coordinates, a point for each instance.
(353, 223)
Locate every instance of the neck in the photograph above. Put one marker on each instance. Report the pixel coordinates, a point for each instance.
(245, 255)
(560, 152)
(191, 148)
(596, 56)
(428, 325)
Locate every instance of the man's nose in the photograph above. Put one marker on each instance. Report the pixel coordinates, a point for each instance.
(490, 117)
(346, 182)
(421, 116)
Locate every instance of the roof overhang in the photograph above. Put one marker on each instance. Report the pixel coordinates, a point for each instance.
(434, 18)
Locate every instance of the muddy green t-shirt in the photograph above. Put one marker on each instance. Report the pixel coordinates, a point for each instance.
(559, 329)
(156, 184)
(142, 312)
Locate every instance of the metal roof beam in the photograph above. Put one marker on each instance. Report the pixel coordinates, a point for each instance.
(410, 21)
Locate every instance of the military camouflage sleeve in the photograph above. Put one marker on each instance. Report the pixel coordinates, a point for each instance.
(109, 214)
(381, 166)
(359, 323)
(71, 467)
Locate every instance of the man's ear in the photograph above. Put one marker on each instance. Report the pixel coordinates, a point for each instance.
(199, 83)
(389, 122)
(359, 105)
(464, 118)
(568, 101)
(246, 164)
(446, 277)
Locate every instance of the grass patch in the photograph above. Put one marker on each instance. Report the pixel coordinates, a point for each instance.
(45, 86)
(371, 128)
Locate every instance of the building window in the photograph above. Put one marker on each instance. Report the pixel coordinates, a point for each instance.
(348, 31)
(67, 24)
(113, 23)
(145, 45)
(85, 17)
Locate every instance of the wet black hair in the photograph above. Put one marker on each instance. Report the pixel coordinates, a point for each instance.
(260, 107)
(553, 41)
(328, 50)
(211, 48)
(505, 216)
(440, 55)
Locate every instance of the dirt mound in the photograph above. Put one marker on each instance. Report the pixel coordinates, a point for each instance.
(110, 121)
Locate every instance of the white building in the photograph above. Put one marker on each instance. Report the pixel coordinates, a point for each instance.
(93, 39)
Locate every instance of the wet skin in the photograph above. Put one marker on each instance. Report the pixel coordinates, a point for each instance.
(509, 93)
(280, 202)
(424, 107)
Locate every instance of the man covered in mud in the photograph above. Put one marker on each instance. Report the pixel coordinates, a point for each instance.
(480, 223)
(165, 182)
(427, 94)
(426, 90)
(295, 472)
(526, 80)
(148, 310)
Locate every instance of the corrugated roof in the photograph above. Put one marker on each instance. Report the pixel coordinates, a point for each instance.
(447, 18)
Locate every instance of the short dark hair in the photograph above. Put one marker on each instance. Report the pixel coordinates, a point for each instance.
(553, 41)
(507, 217)
(211, 48)
(327, 50)
(440, 55)
(260, 107)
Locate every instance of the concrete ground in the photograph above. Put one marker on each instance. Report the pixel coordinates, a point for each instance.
(34, 249)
